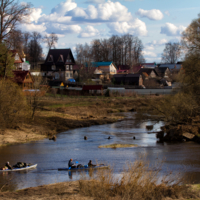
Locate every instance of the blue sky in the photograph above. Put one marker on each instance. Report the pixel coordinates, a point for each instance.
(155, 22)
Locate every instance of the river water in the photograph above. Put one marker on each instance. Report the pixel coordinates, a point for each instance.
(180, 158)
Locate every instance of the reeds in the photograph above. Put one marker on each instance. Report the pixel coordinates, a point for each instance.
(138, 181)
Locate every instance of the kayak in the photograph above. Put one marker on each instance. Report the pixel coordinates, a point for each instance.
(83, 168)
(19, 169)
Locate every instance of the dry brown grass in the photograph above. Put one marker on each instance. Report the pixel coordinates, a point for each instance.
(137, 182)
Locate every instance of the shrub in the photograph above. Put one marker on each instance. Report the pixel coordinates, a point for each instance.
(13, 105)
(107, 93)
(138, 181)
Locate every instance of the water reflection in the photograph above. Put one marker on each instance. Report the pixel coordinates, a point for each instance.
(177, 157)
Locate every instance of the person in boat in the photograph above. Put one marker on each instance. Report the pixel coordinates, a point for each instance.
(90, 164)
(71, 164)
(8, 165)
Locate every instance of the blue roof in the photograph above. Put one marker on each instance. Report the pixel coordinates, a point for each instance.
(97, 64)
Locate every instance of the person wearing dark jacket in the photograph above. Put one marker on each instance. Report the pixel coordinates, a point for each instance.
(8, 165)
(71, 164)
(90, 164)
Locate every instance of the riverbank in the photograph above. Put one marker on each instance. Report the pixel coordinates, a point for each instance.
(72, 191)
(61, 113)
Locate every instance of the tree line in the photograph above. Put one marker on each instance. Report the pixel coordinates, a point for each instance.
(122, 50)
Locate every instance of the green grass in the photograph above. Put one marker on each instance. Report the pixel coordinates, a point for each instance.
(118, 146)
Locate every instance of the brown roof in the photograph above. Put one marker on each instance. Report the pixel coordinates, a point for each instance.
(13, 55)
(19, 76)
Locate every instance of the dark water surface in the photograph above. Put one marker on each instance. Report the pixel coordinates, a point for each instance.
(183, 158)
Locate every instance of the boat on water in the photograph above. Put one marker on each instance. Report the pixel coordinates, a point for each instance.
(19, 169)
(85, 167)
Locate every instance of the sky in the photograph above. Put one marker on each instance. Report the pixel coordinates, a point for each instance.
(154, 22)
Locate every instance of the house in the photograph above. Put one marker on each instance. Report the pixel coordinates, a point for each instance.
(128, 79)
(163, 72)
(58, 65)
(148, 73)
(23, 79)
(104, 70)
(135, 69)
(20, 62)
(172, 67)
(123, 69)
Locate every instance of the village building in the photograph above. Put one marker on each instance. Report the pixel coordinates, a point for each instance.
(58, 65)
(23, 79)
(128, 79)
(104, 70)
(163, 72)
(148, 73)
(123, 69)
(20, 62)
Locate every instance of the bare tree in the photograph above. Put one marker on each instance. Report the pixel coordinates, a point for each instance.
(190, 39)
(26, 38)
(11, 14)
(34, 48)
(171, 53)
(16, 40)
(51, 40)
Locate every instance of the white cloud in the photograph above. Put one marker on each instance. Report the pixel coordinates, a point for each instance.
(136, 27)
(95, 1)
(158, 42)
(89, 31)
(149, 53)
(35, 15)
(153, 14)
(62, 29)
(172, 30)
(64, 7)
(167, 13)
(67, 17)
(33, 27)
(105, 12)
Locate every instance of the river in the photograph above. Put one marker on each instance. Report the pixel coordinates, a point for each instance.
(180, 158)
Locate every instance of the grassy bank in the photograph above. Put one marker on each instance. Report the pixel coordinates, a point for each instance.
(137, 182)
(60, 113)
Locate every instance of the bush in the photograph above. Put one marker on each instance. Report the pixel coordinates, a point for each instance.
(138, 181)
(107, 93)
(13, 105)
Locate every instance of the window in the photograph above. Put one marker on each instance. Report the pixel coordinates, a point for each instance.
(16, 56)
(50, 59)
(27, 77)
(67, 67)
(57, 75)
(71, 67)
(53, 67)
(60, 59)
(68, 59)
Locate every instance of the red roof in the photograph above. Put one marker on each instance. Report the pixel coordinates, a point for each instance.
(92, 87)
(123, 67)
(19, 76)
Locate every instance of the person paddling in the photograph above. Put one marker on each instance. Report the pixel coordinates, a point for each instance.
(8, 165)
(90, 164)
(71, 164)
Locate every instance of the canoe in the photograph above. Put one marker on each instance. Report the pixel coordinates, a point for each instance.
(19, 169)
(83, 168)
